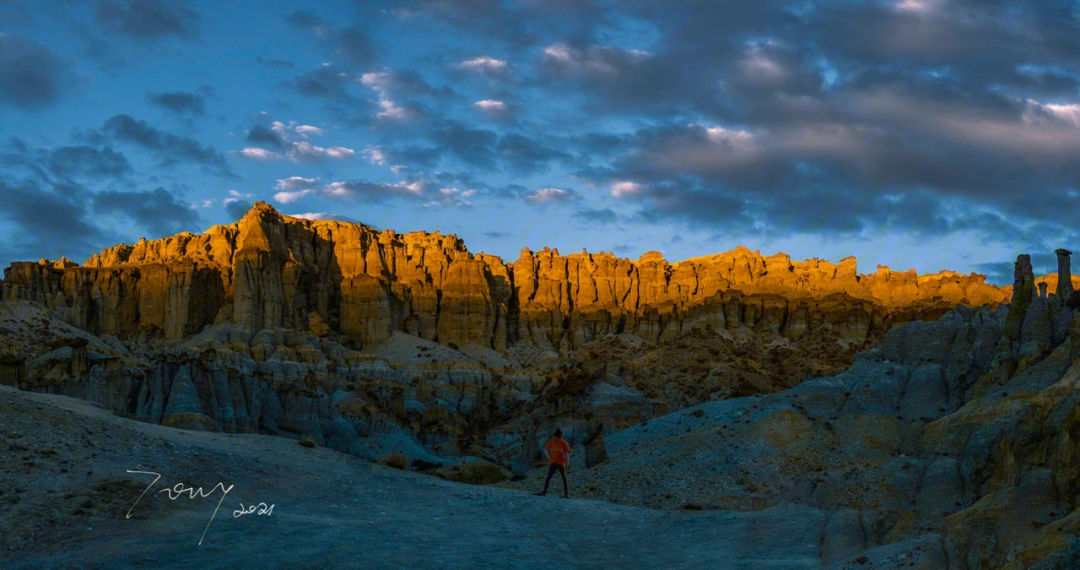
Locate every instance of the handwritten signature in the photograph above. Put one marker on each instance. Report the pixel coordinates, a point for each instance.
(178, 490)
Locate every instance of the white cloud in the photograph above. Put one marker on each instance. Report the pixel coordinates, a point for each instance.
(546, 195)
(304, 151)
(559, 52)
(260, 154)
(380, 81)
(915, 6)
(491, 107)
(375, 154)
(390, 110)
(234, 196)
(290, 197)
(351, 189)
(596, 60)
(320, 216)
(1067, 113)
(484, 64)
(626, 188)
(728, 136)
(294, 182)
(305, 130)
(416, 188)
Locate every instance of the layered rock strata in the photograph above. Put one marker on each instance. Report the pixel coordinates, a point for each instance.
(270, 271)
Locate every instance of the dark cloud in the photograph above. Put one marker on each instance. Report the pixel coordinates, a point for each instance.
(352, 44)
(148, 19)
(87, 161)
(264, 136)
(179, 102)
(475, 147)
(325, 81)
(497, 235)
(236, 210)
(50, 200)
(304, 19)
(158, 210)
(526, 156)
(50, 220)
(356, 47)
(171, 148)
(31, 76)
(480, 148)
(597, 216)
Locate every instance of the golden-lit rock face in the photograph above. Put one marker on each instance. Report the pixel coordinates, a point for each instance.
(272, 271)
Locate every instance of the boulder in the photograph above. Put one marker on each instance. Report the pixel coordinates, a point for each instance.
(595, 450)
(473, 471)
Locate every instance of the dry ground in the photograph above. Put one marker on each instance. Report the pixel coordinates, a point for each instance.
(66, 490)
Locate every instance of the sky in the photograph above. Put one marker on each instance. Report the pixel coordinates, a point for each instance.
(926, 134)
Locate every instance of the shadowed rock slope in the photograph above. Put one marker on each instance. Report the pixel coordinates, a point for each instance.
(371, 341)
(951, 442)
(376, 341)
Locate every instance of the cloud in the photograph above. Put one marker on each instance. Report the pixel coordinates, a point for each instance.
(158, 210)
(351, 44)
(496, 235)
(295, 182)
(148, 19)
(308, 130)
(372, 190)
(288, 197)
(592, 62)
(389, 84)
(549, 195)
(307, 152)
(277, 135)
(234, 196)
(264, 136)
(485, 65)
(50, 221)
(306, 20)
(53, 205)
(31, 76)
(237, 210)
(260, 154)
(597, 216)
(626, 188)
(179, 102)
(491, 108)
(356, 47)
(328, 82)
(87, 161)
(323, 216)
(172, 149)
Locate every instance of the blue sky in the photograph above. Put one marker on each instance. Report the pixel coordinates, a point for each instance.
(934, 134)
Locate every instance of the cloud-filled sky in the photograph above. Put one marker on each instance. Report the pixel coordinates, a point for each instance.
(927, 134)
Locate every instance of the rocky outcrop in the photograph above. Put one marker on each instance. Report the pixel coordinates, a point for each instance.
(271, 271)
(952, 441)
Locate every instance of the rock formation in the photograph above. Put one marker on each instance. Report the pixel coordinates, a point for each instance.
(948, 441)
(271, 271)
(296, 327)
(950, 444)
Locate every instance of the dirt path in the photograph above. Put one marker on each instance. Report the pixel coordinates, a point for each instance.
(66, 492)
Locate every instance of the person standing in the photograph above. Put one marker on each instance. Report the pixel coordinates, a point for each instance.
(557, 452)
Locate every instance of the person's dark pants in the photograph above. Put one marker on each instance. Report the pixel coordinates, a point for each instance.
(551, 472)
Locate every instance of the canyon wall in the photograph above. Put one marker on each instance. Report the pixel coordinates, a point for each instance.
(270, 271)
